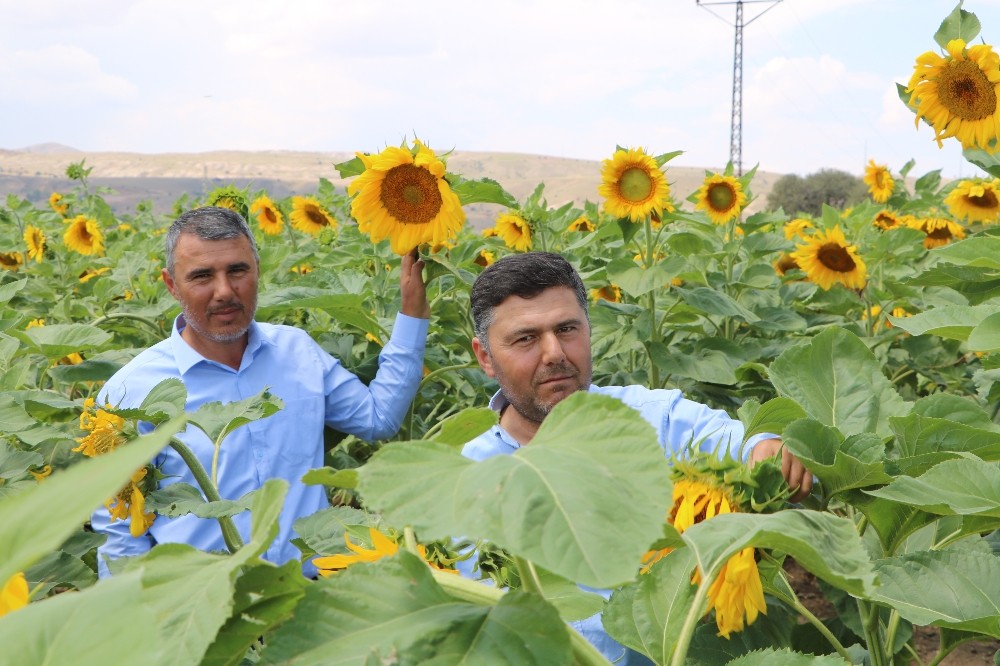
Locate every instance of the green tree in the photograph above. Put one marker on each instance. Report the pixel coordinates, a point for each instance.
(807, 195)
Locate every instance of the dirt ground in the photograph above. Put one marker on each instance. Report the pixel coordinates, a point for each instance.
(926, 638)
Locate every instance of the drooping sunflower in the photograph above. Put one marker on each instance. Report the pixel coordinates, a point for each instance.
(827, 259)
(887, 220)
(309, 216)
(633, 186)
(975, 200)
(11, 261)
(91, 273)
(797, 228)
(403, 195)
(737, 592)
(231, 197)
(721, 197)
(130, 502)
(610, 293)
(268, 216)
(382, 546)
(581, 224)
(957, 94)
(785, 263)
(485, 258)
(879, 181)
(515, 231)
(56, 203)
(35, 240)
(84, 236)
(939, 231)
(14, 594)
(105, 430)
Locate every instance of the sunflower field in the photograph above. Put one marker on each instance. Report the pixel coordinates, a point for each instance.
(867, 338)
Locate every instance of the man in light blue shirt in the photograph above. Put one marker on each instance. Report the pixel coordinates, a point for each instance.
(532, 334)
(221, 354)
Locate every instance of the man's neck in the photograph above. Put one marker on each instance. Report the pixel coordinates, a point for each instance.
(226, 353)
(518, 427)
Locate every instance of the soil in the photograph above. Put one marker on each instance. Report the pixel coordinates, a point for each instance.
(974, 653)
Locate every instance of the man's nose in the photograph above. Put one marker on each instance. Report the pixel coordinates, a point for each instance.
(223, 288)
(552, 349)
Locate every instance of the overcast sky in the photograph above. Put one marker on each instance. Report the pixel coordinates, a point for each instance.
(568, 78)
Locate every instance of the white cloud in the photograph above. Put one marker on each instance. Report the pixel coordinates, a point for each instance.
(60, 74)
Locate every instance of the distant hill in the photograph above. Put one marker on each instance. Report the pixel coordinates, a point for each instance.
(37, 171)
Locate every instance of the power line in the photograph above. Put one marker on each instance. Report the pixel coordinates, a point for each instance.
(736, 119)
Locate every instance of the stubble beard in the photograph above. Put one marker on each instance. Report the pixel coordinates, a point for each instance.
(528, 404)
(195, 322)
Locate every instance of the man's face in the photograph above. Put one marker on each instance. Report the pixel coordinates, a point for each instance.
(539, 351)
(215, 281)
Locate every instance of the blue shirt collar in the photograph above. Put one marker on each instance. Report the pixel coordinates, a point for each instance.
(186, 357)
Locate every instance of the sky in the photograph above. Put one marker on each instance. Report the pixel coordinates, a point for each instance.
(564, 78)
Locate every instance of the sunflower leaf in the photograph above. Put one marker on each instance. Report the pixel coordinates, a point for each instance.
(959, 24)
(484, 190)
(350, 168)
(954, 487)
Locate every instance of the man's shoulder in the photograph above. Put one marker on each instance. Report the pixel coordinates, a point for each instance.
(134, 379)
(636, 395)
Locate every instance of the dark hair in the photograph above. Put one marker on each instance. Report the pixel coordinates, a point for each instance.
(526, 275)
(208, 223)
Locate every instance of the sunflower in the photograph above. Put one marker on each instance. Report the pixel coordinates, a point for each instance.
(11, 261)
(879, 181)
(826, 259)
(14, 594)
(737, 593)
(874, 312)
(490, 232)
(485, 258)
(309, 216)
(610, 293)
(56, 203)
(130, 502)
(975, 200)
(515, 231)
(382, 546)
(301, 269)
(886, 220)
(268, 216)
(957, 94)
(797, 228)
(91, 273)
(84, 236)
(229, 197)
(34, 323)
(785, 263)
(402, 195)
(44, 473)
(35, 240)
(721, 197)
(105, 430)
(73, 358)
(633, 185)
(939, 231)
(581, 224)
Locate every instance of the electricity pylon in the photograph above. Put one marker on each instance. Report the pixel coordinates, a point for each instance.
(736, 121)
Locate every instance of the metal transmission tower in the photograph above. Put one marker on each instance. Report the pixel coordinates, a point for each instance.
(736, 122)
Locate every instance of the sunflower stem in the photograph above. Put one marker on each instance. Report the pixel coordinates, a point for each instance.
(529, 576)
(797, 606)
(870, 621)
(128, 315)
(654, 331)
(695, 611)
(229, 532)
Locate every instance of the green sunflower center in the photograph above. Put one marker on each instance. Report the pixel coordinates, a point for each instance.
(635, 184)
(836, 258)
(721, 197)
(966, 92)
(410, 194)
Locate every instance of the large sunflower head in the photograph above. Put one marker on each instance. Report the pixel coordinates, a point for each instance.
(403, 195)
(515, 231)
(938, 230)
(35, 240)
(957, 94)
(975, 200)
(879, 181)
(827, 259)
(633, 185)
(268, 216)
(721, 197)
(84, 236)
(309, 216)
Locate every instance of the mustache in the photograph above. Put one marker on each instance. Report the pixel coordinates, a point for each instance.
(561, 370)
(225, 306)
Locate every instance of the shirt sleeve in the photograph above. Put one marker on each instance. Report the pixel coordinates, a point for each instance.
(120, 542)
(376, 411)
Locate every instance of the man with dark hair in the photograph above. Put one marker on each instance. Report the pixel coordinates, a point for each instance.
(221, 354)
(532, 334)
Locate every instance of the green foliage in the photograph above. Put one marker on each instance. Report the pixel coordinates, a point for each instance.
(807, 195)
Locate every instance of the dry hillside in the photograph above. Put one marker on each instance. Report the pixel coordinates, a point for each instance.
(37, 171)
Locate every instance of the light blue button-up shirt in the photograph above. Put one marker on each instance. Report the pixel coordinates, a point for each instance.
(316, 389)
(677, 420)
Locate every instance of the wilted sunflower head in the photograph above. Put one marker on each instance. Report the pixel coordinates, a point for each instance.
(11, 261)
(633, 185)
(231, 197)
(957, 94)
(721, 197)
(886, 220)
(975, 200)
(57, 204)
(581, 224)
(939, 231)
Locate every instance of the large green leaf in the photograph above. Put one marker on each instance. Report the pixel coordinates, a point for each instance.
(393, 609)
(81, 628)
(893, 522)
(561, 502)
(840, 464)
(838, 382)
(9, 290)
(465, 426)
(58, 340)
(955, 487)
(178, 499)
(771, 417)
(636, 280)
(323, 531)
(955, 408)
(713, 302)
(979, 252)
(957, 589)
(348, 309)
(985, 337)
(218, 420)
(67, 498)
(785, 657)
(824, 544)
(923, 441)
(955, 322)
(647, 616)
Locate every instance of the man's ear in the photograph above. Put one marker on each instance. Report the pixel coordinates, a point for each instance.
(485, 361)
(169, 281)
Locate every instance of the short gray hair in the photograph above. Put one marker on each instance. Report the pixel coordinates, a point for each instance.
(208, 223)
